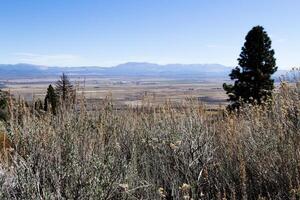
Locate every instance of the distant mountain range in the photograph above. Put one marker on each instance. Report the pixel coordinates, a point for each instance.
(128, 69)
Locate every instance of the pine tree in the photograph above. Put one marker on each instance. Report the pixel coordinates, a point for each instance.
(38, 104)
(64, 89)
(252, 78)
(51, 98)
(3, 99)
(3, 105)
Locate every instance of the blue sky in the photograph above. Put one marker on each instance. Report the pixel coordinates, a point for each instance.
(109, 32)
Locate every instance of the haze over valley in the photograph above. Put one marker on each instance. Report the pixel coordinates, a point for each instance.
(128, 83)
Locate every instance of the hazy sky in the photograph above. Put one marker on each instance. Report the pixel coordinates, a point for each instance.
(109, 32)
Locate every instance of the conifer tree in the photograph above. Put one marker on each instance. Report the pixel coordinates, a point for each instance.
(64, 88)
(3, 99)
(51, 98)
(252, 78)
(3, 105)
(38, 104)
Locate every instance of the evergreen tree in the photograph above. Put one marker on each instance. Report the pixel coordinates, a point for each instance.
(51, 98)
(252, 78)
(3, 99)
(3, 105)
(38, 105)
(64, 88)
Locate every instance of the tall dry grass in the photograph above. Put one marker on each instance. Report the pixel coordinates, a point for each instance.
(161, 152)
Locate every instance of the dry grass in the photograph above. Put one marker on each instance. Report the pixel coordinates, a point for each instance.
(156, 152)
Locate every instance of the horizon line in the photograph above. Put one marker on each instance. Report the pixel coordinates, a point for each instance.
(129, 62)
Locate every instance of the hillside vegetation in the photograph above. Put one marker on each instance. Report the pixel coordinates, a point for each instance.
(162, 152)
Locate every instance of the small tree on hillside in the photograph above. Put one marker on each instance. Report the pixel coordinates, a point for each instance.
(51, 99)
(64, 89)
(38, 104)
(253, 82)
(3, 105)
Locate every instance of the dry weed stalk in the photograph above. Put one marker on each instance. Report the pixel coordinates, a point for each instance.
(156, 152)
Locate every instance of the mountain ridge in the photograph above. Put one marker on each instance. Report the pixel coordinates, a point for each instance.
(126, 69)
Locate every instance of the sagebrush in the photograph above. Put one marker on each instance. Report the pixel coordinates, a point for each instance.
(156, 152)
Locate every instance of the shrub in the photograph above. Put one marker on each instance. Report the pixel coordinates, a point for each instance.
(157, 152)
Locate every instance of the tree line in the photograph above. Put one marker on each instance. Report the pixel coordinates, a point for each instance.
(61, 94)
(252, 81)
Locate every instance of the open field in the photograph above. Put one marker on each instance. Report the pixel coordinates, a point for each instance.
(128, 91)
